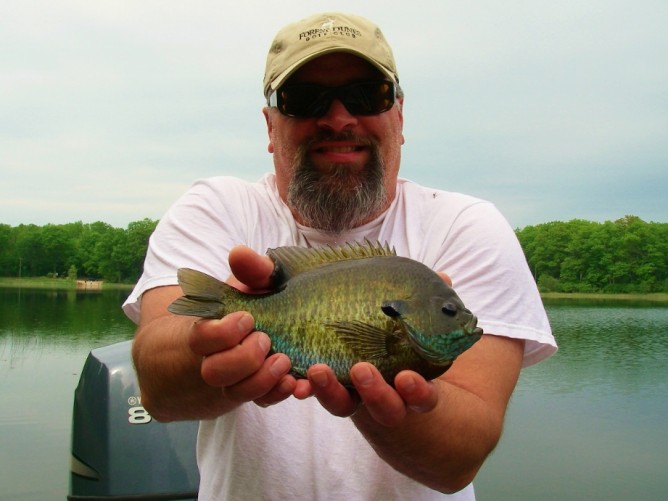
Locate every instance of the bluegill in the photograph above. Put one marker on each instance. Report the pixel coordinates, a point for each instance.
(343, 305)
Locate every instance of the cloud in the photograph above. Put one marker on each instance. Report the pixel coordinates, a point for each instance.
(552, 110)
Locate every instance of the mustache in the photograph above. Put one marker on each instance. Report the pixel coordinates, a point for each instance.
(323, 136)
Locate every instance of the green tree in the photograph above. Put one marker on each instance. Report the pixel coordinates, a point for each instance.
(138, 234)
(627, 255)
(29, 250)
(545, 247)
(9, 263)
(57, 249)
(91, 249)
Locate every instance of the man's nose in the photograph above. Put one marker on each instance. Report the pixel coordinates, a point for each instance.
(337, 118)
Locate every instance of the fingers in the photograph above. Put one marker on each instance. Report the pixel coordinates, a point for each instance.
(234, 358)
(268, 385)
(250, 269)
(331, 394)
(381, 401)
(282, 390)
(211, 336)
(446, 278)
(419, 395)
(387, 405)
(228, 367)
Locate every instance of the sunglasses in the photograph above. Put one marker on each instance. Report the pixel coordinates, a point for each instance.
(306, 100)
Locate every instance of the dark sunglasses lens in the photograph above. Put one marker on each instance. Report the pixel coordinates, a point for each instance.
(309, 100)
(369, 98)
(303, 100)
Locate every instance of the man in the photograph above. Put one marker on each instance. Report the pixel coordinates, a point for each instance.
(334, 120)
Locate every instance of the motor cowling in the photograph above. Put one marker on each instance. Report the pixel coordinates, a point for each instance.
(118, 450)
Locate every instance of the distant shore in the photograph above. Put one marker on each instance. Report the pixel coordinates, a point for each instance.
(657, 297)
(53, 283)
(64, 284)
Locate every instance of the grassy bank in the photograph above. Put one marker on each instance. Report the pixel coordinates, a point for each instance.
(52, 283)
(63, 284)
(659, 297)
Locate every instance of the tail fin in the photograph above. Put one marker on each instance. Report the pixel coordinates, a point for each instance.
(204, 295)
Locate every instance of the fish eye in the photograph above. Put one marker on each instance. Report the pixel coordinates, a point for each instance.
(449, 309)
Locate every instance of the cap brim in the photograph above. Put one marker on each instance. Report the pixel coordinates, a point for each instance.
(281, 78)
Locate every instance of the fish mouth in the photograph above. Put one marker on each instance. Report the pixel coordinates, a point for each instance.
(471, 327)
(442, 349)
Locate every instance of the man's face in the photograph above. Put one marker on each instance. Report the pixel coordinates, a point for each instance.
(339, 170)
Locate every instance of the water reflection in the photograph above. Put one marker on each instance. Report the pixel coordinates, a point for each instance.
(39, 322)
(587, 424)
(58, 313)
(45, 336)
(615, 345)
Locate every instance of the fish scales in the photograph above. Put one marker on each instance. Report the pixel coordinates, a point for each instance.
(313, 300)
(343, 305)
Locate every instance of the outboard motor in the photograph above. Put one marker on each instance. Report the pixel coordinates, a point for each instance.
(118, 451)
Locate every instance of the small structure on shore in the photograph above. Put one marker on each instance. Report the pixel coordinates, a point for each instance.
(92, 285)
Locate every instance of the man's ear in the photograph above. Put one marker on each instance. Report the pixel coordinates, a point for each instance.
(400, 104)
(270, 127)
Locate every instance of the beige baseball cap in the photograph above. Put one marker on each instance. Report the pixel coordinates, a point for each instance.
(320, 34)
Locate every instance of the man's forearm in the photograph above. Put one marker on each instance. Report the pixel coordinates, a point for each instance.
(445, 447)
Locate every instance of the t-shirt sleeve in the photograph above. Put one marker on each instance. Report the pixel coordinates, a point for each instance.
(197, 232)
(483, 257)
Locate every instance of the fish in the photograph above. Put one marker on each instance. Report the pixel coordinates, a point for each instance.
(346, 304)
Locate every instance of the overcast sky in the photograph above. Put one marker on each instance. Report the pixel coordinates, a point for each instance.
(552, 110)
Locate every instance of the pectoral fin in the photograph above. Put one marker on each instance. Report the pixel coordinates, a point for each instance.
(367, 341)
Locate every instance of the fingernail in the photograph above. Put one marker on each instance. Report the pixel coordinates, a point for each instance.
(280, 366)
(319, 378)
(363, 376)
(264, 342)
(245, 323)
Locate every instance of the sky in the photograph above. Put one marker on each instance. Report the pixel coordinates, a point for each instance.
(109, 110)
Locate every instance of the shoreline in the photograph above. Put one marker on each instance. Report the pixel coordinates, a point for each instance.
(65, 284)
(656, 297)
(55, 284)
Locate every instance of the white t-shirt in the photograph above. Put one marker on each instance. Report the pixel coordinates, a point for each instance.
(296, 449)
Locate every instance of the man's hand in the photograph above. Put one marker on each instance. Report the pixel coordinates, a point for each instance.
(234, 354)
(387, 405)
(202, 369)
(234, 358)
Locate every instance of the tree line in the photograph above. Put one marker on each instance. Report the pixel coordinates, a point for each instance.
(95, 251)
(627, 255)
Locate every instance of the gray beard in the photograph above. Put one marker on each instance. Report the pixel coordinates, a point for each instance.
(336, 199)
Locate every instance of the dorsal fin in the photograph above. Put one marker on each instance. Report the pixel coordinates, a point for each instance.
(291, 260)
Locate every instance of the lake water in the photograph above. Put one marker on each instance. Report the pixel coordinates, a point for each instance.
(590, 423)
